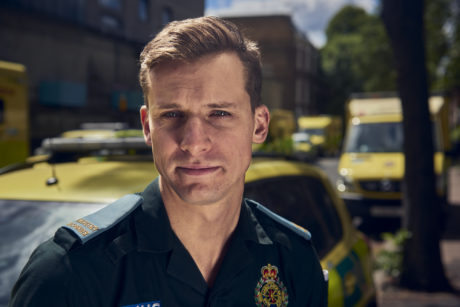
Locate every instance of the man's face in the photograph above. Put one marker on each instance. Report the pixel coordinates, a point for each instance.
(201, 127)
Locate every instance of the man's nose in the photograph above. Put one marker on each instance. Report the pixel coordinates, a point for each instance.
(195, 136)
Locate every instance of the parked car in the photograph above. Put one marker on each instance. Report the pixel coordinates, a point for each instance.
(81, 173)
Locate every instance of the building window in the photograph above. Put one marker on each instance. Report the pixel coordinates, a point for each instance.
(62, 94)
(298, 91)
(110, 22)
(299, 57)
(113, 4)
(143, 10)
(308, 59)
(167, 15)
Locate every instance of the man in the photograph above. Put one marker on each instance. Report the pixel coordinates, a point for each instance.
(189, 239)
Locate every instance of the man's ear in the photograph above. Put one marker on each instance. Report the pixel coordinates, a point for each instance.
(261, 122)
(144, 112)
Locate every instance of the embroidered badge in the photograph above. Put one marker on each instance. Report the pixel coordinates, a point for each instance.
(270, 291)
(146, 304)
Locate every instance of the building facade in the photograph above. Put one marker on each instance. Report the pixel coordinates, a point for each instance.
(82, 56)
(290, 62)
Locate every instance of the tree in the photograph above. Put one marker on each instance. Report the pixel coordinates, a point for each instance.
(355, 39)
(451, 79)
(356, 57)
(422, 266)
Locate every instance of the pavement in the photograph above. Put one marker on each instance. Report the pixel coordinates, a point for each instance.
(391, 295)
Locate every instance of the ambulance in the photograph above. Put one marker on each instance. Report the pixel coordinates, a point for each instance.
(14, 114)
(371, 166)
(323, 131)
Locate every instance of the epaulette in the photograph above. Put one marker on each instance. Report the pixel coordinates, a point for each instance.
(92, 225)
(281, 220)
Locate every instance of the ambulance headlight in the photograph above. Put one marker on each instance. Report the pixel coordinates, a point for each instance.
(345, 184)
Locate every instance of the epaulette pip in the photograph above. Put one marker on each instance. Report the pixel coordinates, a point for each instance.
(280, 220)
(92, 225)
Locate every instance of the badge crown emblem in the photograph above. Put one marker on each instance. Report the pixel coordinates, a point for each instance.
(269, 272)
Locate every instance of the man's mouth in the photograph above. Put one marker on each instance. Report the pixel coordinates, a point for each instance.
(197, 170)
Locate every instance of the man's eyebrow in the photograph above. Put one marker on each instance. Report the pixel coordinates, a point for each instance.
(213, 105)
(221, 104)
(167, 106)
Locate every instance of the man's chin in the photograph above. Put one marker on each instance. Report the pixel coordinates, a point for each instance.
(199, 194)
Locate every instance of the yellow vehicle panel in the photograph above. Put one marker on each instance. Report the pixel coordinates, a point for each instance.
(306, 122)
(14, 114)
(91, 134)
(317, 139)
(305, 147)
(379, 166)
(388, 105)
(102, 133)
(87, 180)
(372, 165)
(380, 118)
(263, 168)
(349, 263)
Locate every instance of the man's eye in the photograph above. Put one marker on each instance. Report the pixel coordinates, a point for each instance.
(220, 114)
(172, 114)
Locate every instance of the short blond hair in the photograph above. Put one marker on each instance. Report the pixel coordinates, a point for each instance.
(190, 39)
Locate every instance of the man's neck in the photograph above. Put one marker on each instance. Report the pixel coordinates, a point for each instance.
(204, 230)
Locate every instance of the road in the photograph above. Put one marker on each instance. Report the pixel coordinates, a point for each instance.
(329, 165)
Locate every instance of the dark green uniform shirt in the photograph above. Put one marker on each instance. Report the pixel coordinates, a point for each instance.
(139, 261)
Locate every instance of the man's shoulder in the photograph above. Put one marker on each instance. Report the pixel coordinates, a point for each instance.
(43, 278)
(272, 220)
(99, 227)
(91, 226)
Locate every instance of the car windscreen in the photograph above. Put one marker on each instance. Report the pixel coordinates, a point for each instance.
(26, 224)
(375, 137)
(381, 137)
(304, 201)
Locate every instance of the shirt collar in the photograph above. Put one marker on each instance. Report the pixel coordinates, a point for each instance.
(249, 228)
(154, 233)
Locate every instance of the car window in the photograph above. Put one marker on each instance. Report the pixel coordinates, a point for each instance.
(26, 224)
(304, 201)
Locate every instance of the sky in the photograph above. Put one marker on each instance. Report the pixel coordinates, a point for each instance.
(310, 16)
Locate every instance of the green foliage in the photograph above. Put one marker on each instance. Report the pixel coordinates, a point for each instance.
(455, 135)
(376, 67)
(281, 145)
(450, 78)
(436, 15)
(389, 258)
(347, 21)
(357, 57)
